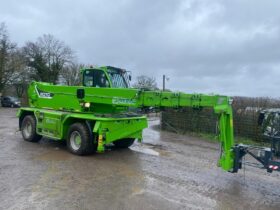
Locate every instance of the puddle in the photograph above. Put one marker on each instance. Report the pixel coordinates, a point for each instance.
(56, 155)
(162, 152)
(144, 149)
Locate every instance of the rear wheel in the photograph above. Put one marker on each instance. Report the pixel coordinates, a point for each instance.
(124, 143)
(79, 140)
(28, 129)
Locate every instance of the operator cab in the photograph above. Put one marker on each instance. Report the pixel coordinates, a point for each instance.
(106, 77)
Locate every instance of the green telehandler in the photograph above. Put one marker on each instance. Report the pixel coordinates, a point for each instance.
(102, 111)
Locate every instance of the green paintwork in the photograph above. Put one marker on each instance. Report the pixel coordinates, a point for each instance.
(56, 107)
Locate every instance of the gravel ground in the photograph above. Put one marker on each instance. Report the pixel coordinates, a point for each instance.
(167, 171)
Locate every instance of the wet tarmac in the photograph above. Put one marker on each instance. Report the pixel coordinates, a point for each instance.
(167, 171)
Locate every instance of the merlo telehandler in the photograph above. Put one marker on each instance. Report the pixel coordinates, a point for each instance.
(102, 111)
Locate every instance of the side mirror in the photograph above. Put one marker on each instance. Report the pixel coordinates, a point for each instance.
(80, 93)
(260, 119)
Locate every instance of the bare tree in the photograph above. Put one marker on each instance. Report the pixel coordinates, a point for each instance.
(71, 74)
(21, 74)
(8, 58)
(145, 82)
(47, 57)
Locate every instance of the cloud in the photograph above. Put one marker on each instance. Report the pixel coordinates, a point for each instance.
(226, 47)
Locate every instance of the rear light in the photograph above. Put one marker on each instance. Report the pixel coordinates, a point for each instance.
(273, 167)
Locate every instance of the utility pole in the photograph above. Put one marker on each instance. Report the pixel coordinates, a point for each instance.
(164, 79)
(163, 83)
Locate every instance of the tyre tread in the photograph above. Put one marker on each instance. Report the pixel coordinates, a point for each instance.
(34, 137)
(87, 146)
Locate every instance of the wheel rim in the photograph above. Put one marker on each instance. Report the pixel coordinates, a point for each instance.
(75, 140)
(27, 130)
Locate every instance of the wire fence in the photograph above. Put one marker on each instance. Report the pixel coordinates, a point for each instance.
(245, 118)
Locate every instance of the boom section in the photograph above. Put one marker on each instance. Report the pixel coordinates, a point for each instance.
(44, 95)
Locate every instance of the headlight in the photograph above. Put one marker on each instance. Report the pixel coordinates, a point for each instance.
(87, 105)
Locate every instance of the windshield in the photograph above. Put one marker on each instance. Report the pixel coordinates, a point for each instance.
(118, 79)
(13, 98)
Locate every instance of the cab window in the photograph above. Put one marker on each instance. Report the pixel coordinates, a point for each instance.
(95, 78)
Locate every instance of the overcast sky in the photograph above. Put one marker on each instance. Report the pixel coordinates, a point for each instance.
(228, 47)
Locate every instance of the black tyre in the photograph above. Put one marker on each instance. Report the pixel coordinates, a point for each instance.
(28, 129)
(124, 143)
(79, 140)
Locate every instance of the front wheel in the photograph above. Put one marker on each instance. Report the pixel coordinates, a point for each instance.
(124, 143)
(79, 140)
(28, 129)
